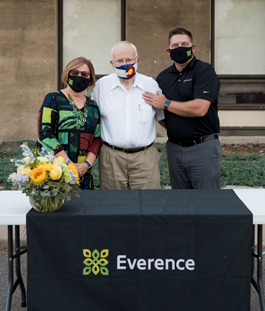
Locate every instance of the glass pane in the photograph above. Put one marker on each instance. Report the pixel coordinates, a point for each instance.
(243, 94)
(90, 29)
(239, 37)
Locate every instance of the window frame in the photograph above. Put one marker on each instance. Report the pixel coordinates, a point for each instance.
(232, 78)
(60, 37)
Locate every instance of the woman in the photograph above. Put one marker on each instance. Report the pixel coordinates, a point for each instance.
(68, 121)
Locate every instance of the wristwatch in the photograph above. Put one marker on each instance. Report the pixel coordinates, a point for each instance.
(166, 104)
(88, 164)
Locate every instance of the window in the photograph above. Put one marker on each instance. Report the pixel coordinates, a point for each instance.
(239, 45)
(90, 28)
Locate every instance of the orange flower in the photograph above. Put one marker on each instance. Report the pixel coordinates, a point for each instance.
(38, 174)
(74, 171)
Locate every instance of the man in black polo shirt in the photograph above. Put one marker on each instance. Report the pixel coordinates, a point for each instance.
(190, 90)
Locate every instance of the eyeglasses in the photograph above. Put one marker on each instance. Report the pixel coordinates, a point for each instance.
(126, 61)
(75, 72)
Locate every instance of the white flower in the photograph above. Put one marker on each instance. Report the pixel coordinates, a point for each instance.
(43, 159)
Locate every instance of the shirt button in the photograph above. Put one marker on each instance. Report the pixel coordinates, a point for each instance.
(180, 73)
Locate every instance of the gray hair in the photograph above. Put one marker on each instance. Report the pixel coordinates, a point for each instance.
(123, 42)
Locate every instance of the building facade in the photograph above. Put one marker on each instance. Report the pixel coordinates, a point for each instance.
(39, 37)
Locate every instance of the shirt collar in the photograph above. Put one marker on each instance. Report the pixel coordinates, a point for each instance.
(190, 64)
(137, 82)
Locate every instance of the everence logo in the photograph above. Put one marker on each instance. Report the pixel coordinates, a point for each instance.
(98, 264)
(159, 264)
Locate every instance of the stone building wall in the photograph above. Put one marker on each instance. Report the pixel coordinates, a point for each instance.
(149, 22)
(28, 64)
(29, 43)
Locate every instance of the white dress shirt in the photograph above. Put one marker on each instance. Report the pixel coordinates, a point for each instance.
(126, 120)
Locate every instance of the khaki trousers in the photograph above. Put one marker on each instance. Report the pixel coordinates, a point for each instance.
(120, 170)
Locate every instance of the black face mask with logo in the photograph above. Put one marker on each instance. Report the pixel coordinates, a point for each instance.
(78, 84)
(181, 54)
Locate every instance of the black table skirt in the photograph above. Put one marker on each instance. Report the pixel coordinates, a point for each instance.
(141, 250)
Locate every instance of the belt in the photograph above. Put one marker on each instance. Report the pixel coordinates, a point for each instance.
(127, 150)
(196, 141)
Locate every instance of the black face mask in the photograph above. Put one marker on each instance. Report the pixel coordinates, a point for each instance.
(181, 54)
(78, 84)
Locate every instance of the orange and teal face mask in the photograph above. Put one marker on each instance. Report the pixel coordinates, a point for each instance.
(126, 71)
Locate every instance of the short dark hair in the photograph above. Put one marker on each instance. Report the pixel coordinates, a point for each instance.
(179, 31)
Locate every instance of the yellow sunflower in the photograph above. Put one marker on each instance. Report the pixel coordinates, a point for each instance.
(47, 166)
(38, 174)
(75, 172)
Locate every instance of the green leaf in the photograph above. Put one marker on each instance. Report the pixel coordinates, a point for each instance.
(104, 271)
(58, 197)
(86, 270)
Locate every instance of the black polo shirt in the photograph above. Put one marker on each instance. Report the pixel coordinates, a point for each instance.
(197, 80)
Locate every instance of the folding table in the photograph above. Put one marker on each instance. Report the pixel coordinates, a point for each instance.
(15, 205)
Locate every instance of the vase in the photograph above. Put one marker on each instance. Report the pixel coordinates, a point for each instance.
(45, 204)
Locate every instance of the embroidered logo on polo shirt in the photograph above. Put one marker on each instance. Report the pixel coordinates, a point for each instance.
(205, 91)
(96, 260)
(187, 80)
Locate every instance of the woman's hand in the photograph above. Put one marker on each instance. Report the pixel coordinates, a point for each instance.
(82, 168)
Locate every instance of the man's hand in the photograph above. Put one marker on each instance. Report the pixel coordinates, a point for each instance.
(156, 100)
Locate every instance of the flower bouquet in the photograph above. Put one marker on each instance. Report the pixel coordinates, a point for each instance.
(47, 180)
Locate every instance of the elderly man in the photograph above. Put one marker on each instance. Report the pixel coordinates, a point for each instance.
(190, 89)
(128, 158)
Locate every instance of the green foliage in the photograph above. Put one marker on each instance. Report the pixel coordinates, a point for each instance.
(163, 166)
(16, 153)
(6, 166)
(59, 189)
(95, 172)
(242, 170)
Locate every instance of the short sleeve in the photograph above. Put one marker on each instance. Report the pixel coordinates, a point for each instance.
(206, 85)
